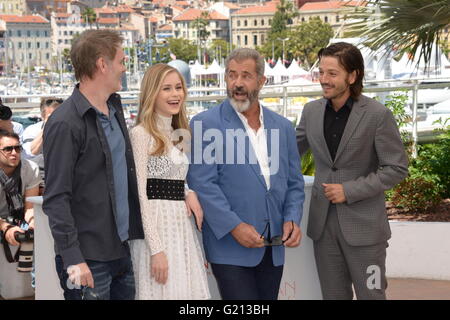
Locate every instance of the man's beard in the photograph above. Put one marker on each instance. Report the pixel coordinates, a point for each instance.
(242, 106)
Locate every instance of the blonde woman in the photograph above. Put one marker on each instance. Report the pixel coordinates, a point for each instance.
(168, 264)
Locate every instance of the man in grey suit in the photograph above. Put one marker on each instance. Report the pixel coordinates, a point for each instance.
(358, 154)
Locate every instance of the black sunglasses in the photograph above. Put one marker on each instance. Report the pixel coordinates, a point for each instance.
(50, 101)
(277, 240)
(9, 149)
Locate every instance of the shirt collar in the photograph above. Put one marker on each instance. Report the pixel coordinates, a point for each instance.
(348, 104)
(244, 119)
(83, 105)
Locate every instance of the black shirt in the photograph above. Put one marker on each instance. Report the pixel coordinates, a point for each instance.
(334, 124)
(79, 197)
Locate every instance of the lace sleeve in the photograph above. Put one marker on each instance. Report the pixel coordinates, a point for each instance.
(141, 142)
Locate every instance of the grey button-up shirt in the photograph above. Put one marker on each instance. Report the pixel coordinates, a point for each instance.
(80, 197)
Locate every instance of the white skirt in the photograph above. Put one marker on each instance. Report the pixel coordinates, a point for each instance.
(187, 272)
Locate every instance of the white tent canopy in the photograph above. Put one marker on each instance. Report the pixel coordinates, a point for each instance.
(214, 68)
(295, 71)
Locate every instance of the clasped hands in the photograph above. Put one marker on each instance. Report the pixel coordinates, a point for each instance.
(248, 237)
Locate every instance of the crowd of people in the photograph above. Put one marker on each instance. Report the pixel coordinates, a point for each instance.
(119, 202)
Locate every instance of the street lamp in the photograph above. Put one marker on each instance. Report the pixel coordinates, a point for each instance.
(283, 40)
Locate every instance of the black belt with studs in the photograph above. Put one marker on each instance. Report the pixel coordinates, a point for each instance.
(165, 189)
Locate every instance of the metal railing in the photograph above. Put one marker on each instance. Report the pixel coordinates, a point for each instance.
(284, 92)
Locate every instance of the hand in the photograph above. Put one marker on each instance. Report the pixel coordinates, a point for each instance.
(193, 206)
(81, 275)
(159, 267)
(29, 216)
(9, 235)
(334, 192)
(247, 236)
(295, 237)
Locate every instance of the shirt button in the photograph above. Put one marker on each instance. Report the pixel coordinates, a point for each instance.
(334, 136)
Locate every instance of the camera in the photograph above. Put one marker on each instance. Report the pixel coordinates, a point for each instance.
(24, 237)
(25, 253)
(5, 113)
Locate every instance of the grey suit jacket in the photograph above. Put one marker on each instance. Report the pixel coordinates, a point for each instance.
(370, 159)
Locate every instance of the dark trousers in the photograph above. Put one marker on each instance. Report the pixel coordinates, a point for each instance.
(261, 282)
(113, 280)
(340, 265)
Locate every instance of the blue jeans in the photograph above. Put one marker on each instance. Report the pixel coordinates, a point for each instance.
(113, 280)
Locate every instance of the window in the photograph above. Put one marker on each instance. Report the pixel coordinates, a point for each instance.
(337, 18)
(262, 39)
(28, 33)
(255, 23)
(245, 23)
(38, 45)
(20, 45)
(47, 56)
(38, 34)
(303, 19)
(30, 56)
(47, 45)
(239, 23)
(245, 40)
(29, 45)
(46, 33)
(65, 33)
(255, 40)
(19, 33)
(239, 40)
(326, 19)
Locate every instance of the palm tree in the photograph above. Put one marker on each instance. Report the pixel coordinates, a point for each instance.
(89, 16)
(413, 26)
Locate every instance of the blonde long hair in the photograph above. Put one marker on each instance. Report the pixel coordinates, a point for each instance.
(147, 117)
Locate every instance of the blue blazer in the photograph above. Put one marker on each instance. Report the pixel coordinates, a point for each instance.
(231, 188)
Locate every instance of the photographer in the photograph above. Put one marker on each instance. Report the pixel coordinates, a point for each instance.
(6, 123)
(32, 136)
(18, 179)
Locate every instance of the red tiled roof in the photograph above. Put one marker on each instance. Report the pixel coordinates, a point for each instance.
(108, 20)
(62, 15)
(105, 10)
(231, 5)
(327, 5)
(182, 3)
(22, 19)
(177, 8)
(269, 7)
(166, 27)
(124, 9)
(192, 14)
(153, 19)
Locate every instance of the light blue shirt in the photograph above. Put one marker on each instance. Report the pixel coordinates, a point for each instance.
(116, 143)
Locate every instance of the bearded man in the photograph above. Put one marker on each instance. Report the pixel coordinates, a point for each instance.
(249, 183)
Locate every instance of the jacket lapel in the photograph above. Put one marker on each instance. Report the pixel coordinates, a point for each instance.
(353, 121)
(233, 122)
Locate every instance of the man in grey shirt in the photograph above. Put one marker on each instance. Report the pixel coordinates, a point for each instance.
(91, 192)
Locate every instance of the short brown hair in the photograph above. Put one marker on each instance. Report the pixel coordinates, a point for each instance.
(351, 59)
(91, 45)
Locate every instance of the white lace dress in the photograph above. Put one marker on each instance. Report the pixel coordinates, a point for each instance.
(167, 227)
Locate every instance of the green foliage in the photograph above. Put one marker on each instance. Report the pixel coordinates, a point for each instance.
(219, 46)
(396, 103)
(434, 160)
(183, 49)
(201, 24)
(307, 39)
(308, 165)
(417, 193)
(282, 18)
(402, 25)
